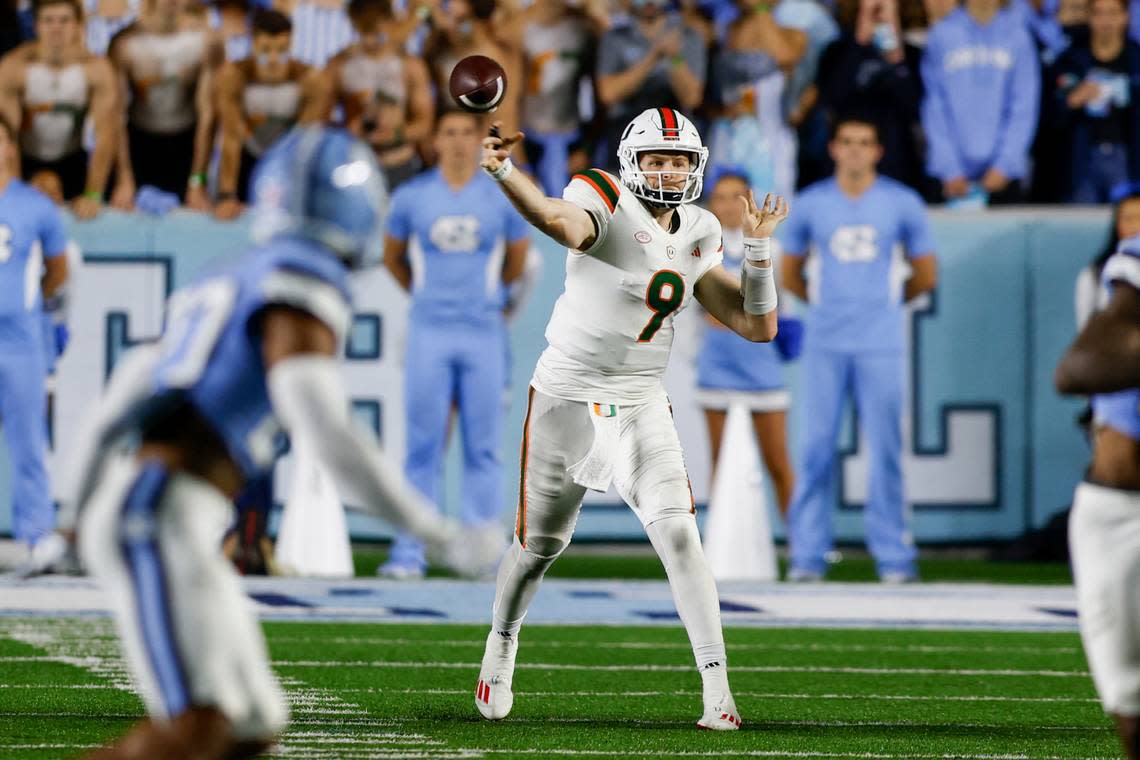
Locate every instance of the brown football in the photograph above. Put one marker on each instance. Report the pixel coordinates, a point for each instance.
(478, 83)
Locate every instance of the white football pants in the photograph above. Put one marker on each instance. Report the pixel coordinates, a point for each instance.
(153, 540)
(1104, 541)
(649, 473)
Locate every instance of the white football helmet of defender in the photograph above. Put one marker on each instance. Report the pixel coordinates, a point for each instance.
(661, 129)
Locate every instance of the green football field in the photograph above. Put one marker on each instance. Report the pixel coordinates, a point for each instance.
(406, 691)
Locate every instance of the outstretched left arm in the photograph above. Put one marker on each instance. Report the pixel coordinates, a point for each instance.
(747, 305)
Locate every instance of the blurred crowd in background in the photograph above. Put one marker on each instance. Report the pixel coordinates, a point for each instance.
(161, 103)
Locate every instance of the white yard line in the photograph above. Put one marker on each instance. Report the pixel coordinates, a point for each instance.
(477, 643)
(86, 644)
(660, 723)
(650, 668)
(633, 667)
(314, 709)
(750, 694)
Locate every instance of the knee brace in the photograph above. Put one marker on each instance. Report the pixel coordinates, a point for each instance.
(539, 554)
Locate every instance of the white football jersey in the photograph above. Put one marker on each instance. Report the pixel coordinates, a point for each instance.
(611, 330)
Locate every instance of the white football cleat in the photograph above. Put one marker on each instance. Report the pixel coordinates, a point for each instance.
(720, 714)
(493, 695)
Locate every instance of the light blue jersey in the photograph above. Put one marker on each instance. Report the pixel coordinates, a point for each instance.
(856, 271)
(1121, 411)
(456, 245)
(457, 338)
(31, 229)
(211, 356)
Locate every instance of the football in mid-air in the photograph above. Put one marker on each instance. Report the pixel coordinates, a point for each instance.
(478, 83)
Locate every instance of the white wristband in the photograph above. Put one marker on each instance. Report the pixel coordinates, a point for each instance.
(502, 172)
(758, 249)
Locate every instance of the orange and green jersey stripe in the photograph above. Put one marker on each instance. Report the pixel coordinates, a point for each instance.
(603, 185)
(520, 517)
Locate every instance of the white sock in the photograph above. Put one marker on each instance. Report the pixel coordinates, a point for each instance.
(714, 680)
(678, 544)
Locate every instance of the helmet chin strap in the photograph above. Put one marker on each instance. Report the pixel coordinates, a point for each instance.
(661, 204)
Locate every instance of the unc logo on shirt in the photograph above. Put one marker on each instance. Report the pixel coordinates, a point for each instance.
(455, 234)
(978, 56)
(857, 243)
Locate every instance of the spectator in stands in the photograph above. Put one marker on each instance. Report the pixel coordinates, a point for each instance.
(1097, 87)
(105, 19)
(166, 61)
(463, 28)
(47, 90)
(653, 61)
(557, 39)
(470, 244)
(232, 20)
(982, 79)
(748, 81)
(1051, 177)
(384, 93)
(322, 30)
(871, 68)
(800, 95)
(259, 100)
(854, 224)
(733, 370)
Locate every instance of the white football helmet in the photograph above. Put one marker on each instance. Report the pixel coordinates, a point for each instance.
(661, 129)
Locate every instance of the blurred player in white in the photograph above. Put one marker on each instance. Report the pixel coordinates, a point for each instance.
(597, 411)
(1104, 526)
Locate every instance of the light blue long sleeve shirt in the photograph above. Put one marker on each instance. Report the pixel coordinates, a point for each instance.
(983, 87)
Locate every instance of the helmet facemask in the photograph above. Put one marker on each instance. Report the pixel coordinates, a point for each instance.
(637, 179)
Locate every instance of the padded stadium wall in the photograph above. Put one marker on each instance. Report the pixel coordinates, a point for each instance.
(991, 449)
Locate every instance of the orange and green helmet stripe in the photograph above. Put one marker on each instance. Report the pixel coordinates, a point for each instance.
(670, 124)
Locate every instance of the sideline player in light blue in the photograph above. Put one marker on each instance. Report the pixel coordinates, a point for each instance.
(857, 281)
(732, 370)
(248, 353)
(33, 269)
(1104, 525)
(454, 242)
